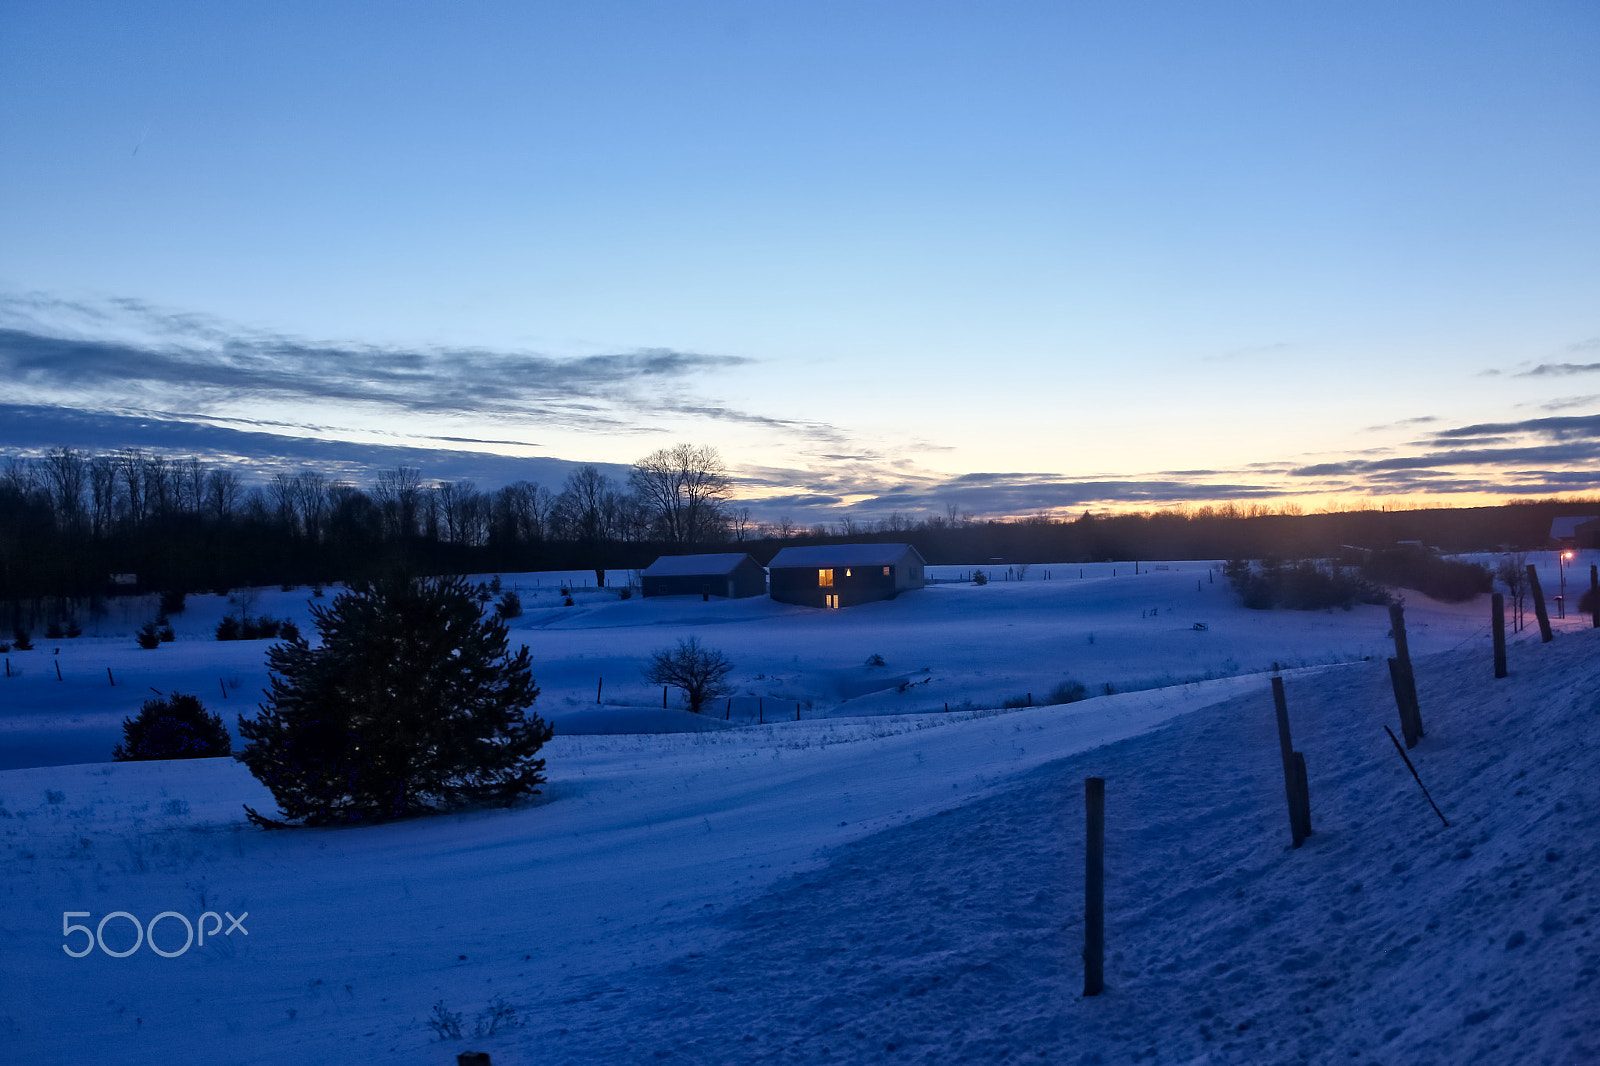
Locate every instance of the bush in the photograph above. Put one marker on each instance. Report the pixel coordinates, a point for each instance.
(412, 703)
(625, 594)
(1302, 586)
(874, 659)
(21, 639)
(173, 727)
(1443, 579)
(569, 602)
(1067, 692)
(980, 578)
(228, 628)
(699, 671)
(510, 606)
(288, 630)
(74, 630)
(149, 637)
(173, 601)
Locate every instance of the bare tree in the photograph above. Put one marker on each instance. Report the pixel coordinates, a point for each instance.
(399, 495)
(686, 489)
(588, 507)
(223, 490)
(699, 671)
(66, 472)
(1513, 573)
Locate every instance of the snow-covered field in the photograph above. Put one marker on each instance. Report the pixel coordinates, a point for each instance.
(879, 881)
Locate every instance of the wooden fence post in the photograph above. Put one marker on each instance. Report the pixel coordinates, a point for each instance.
(598, 687)
(1594, 594)
(1094, 888)
(1498, 612)
(1293, 770)
(1402, 650)
(1402, 701)
(113, 680)
(58, 671)
(663, 697)
(1538, 605)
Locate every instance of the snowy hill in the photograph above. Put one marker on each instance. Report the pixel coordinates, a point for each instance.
(899, 888)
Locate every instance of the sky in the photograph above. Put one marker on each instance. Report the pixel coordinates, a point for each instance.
(1010, 258)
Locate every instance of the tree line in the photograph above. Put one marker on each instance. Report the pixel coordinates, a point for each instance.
(70, 520)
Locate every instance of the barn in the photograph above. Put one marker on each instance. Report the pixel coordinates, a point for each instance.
(730, 574)
(843, 575)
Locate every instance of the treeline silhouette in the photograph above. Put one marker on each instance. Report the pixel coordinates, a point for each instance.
(70, 521)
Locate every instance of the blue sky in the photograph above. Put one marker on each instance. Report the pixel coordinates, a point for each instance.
(1007, 256)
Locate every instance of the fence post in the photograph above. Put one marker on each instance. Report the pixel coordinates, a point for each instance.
(599, 686)
(663, 697)
(1293, 770)
(1397, 678)
(1402, 650)
(1499, 625)
(1094, 888)
(1594, 594)
(58, 671)
(113, 680)
(1538, 605)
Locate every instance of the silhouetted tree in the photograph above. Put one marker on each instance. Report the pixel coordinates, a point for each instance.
(699, 671)
(411, 703)
(176, 726)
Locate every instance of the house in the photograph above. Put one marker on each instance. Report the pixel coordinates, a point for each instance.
(843, 575)
(730, 574)
(1575, 531)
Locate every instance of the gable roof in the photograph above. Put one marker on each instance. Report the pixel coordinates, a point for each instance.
(694, 565)
(1567, 527)
(825, 555)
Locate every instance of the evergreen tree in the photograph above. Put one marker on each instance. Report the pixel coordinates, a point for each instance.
(411, 703)
(173, 727)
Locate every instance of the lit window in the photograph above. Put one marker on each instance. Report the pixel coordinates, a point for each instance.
(833, 601)
(847, 570)
(825, 579)
(886, 571)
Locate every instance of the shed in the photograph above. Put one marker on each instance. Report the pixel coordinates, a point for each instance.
(729, 574)
(1574, 531)
(843, 575)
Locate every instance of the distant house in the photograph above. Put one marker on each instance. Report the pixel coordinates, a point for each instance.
(843, 575)
(729, 574)
(1576, 531)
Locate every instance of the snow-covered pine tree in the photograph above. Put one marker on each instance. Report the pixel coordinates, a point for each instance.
(411, 703)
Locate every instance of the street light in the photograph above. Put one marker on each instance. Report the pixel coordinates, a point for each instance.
(1561, 568)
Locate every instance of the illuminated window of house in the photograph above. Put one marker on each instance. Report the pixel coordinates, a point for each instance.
(833, 601)
(825, 579)
(847, 571)
(886, 571)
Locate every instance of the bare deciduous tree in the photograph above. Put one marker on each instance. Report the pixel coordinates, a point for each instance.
(686, 490)
(699, 671)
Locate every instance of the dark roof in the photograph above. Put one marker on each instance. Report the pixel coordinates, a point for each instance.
(824, 555)
(694, 565)
(1567, 527)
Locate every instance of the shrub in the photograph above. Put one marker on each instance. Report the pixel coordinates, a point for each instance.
(148, 637)
(510, 605)
(173, 727)
(166, 634)
(874, 659)
(1446, 580)
(1067, 692)
(288, 630)
(74, 630)
(569, 602)
(495, 585)
(625, 594)
(699, 671)
(173, 601)
(980, 578)
(21, 639)
(412, 703)
(1302, 586)
(228, 628)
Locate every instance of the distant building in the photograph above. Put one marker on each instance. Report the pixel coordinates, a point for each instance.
(1576, 531)
(729, 574)
(843, 575)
